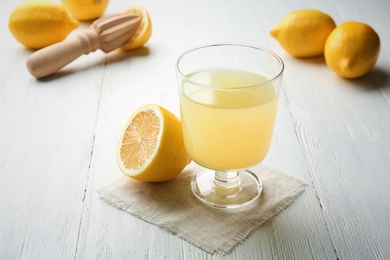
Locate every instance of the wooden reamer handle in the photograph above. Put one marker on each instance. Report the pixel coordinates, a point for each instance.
(46, 61)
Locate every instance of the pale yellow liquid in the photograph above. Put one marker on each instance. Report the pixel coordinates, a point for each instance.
(228, 130)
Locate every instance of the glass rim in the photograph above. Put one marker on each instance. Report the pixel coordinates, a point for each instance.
(269, 81)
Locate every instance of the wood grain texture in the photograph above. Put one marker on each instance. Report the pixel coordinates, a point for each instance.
(58, 138)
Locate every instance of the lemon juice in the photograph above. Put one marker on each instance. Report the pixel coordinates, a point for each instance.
(228, 124)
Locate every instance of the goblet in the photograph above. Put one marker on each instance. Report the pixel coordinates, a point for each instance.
(229, 96)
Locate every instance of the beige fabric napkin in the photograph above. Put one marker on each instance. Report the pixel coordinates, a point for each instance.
(171, 205)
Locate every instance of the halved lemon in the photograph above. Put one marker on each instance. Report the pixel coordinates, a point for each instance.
(151, 146)
(144, 31)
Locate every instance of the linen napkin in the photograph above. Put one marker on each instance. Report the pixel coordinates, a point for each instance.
(172, 206)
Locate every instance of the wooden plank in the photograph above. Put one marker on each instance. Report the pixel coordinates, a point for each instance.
(58, 141)
(45, 146)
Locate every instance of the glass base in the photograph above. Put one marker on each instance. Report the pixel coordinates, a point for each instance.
(226, 189)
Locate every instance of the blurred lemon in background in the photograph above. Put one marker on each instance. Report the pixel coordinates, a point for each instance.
(37, 24)
(86, 9)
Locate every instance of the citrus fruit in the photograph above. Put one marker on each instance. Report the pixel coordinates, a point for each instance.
(352, 49)
(37, 24)
(86, 9)
(144, 31)
(151, 146)
(303, 33)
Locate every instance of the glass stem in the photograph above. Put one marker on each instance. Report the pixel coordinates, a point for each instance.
(227, 179)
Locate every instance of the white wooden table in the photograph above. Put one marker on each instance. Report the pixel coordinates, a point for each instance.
(58, 139)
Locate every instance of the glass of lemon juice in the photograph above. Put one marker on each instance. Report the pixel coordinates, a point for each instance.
(228, 102)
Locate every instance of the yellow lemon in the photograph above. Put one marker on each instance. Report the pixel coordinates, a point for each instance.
(143, 33)
(303, 33)
(37, 24)
(151, 146)
(86, 9)
(352, 49)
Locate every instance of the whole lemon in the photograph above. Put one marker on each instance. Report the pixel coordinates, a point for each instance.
(352, 49)
(303, 33)
(86, 9)
(37, 24)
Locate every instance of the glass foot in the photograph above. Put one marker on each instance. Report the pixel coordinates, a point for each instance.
(226, 189)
